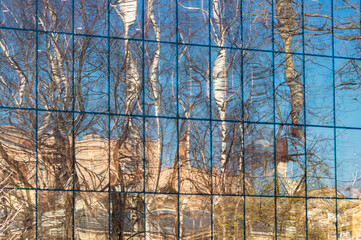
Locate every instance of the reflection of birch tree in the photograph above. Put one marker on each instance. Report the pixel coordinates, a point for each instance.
(220, 76)
(59, 88)
(11, 210)
(126, 10)
(288, 24)
(58, 81)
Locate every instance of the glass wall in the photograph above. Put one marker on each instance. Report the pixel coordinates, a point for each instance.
(180, 119)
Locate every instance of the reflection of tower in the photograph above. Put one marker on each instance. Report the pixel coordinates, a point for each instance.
(282, 156)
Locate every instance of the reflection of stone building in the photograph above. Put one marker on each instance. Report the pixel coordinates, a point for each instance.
(349, 220)
(92, 204)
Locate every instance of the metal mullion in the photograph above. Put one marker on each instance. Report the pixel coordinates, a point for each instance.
(37, 117)
(144, 117)
(109, 136)
(274, 120)
(334, 112)
(210, 112)
(243, 142)
(73, 117)
(304, 114)
(177, 116)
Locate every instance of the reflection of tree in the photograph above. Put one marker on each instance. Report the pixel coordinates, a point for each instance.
(14, 214)
(59, 73)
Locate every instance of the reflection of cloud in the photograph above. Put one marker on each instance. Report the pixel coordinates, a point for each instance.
(265, 143)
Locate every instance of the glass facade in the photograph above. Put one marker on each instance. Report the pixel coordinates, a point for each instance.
(180, 119)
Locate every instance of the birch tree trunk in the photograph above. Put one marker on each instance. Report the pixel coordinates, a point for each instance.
(219, 76)
(154, 81)
(219, 81)
(287, 28)
(127, 11)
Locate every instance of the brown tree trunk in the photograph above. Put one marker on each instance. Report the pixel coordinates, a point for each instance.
(69, 215)
(118, 215)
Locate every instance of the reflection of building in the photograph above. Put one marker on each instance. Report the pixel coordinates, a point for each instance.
(91, 206)
(349, 220)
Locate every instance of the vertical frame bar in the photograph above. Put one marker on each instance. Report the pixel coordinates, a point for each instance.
(274, 121)
(334, 111)
(36, 114)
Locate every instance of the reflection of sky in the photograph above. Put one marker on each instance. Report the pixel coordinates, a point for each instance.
(348, 159)
(319, 85)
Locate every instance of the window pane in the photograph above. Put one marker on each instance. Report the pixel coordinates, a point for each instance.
(260, 218)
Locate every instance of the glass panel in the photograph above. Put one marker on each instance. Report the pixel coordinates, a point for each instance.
(126, 18)
(227, 153)
(320, 162)
(91, 17)
(194, 157)
(257, 24)
(348, 216)
(290, 158)
(321, 215)
(92, 152)
(288, 26)
(227, 85)
(55, 214)
(193, 81)
(91, 78)
(125, 76)
(348, 162)
(17, 69)
(18, 14)
(17, 214)
(55, 150)
(259, 159)
(318, 22)
(289, 89)
(291, 218)
(194, 217)
(348, 107)
(55, 15)
(55, 66)
(228, 217)
(180, 119)
(17, 149)
(260, 218)
(127, 216)
(160, 22)
(91, 215)
(347, 28)
(126, 153)
(161, 155)
(193, 21)
(160, 79)
(226, 27)
(319, 91)
(161, 216)
(258, 86)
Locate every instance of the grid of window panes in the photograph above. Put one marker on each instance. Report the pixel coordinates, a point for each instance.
(180, 119)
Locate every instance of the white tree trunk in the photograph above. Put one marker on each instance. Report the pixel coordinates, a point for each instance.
(287, 27)
(16, 68)
(154, 77)
(219, 77)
